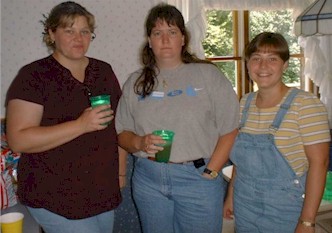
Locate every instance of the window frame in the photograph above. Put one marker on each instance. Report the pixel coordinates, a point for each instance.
(243, 83)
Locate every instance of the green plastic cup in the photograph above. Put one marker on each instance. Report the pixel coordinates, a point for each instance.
(167, 135)
(328, 187)
(100, 100)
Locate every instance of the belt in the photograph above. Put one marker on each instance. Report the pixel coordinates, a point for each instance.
(197, 163)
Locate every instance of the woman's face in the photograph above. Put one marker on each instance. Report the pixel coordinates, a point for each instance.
(266, 69)
(166, 42)
(72, 42)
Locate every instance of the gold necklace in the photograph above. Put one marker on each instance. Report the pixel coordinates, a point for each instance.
(164, 84)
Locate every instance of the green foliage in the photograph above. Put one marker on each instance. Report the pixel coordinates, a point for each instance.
(228, 69)
(219, 38)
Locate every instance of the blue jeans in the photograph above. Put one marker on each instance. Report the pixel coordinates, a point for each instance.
(176, 198)
(53, 223)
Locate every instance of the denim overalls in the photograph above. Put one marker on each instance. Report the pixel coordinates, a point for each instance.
(268, 196)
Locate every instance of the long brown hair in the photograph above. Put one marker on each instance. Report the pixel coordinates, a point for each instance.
(147, 80)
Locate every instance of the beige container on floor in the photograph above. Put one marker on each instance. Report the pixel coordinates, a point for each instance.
(12, 222)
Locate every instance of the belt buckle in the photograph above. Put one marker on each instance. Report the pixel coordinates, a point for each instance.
(199, 163)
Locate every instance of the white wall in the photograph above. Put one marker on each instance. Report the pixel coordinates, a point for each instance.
(120, 34)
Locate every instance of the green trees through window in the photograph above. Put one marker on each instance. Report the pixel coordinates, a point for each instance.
(220, 40)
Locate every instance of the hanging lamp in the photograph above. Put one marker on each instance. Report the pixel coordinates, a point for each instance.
(315, 20)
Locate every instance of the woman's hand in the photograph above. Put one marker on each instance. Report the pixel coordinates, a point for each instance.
(93, 119)
(228, 211)
(133, 143)
(318, 159)
(228, 206)
(150, 143)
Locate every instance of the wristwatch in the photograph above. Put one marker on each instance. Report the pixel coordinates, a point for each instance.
(212, 173)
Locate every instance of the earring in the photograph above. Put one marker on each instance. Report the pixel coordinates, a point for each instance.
(93, 36)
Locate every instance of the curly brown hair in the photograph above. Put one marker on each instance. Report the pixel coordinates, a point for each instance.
(64, 15)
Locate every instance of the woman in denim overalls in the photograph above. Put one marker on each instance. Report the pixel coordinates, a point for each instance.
(266, 191)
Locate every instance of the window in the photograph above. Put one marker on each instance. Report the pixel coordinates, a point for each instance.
(229, 31)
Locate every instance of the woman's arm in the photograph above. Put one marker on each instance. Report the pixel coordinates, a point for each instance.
(221, 153)
(26, 135)
(228, 211)
(132, 142)
(123, 155)
(318, 158)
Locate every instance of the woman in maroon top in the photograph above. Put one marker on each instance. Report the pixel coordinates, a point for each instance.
(68, 174)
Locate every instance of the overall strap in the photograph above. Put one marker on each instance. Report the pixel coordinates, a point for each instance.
(283, 110)
(246, 109)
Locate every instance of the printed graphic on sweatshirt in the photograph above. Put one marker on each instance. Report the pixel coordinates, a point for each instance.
(159, 95)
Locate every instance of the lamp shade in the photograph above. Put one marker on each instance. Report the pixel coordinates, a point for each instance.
(315, 20)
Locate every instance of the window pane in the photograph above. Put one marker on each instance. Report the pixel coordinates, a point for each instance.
(228, 69)
(274, 21)
(293, 73)
(219, 34)
(219, 41)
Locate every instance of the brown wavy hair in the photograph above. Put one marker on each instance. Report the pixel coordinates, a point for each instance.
(147, 80)
(63, 15)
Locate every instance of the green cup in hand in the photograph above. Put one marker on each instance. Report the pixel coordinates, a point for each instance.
(167, 135)
(100, 100)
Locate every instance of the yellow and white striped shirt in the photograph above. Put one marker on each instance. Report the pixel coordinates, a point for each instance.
(305, 123)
